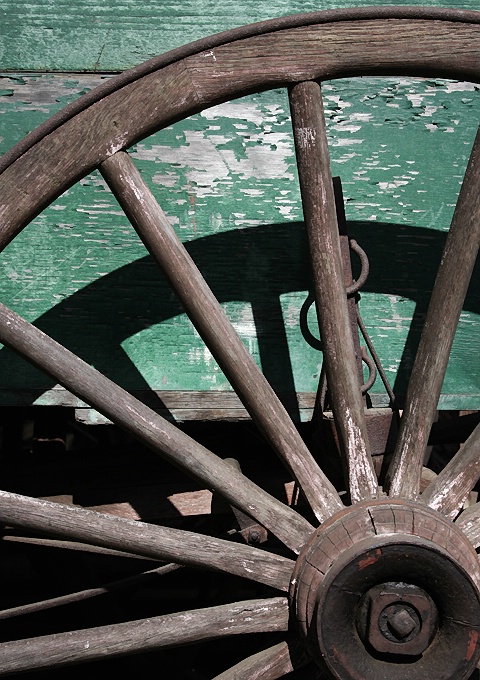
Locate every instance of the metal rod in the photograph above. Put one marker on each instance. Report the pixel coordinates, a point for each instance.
(376, 358)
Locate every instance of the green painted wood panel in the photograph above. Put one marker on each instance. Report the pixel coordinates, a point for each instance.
(227, 180)
(112, 35)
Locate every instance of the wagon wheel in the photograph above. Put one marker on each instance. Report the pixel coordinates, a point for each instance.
(386, 587)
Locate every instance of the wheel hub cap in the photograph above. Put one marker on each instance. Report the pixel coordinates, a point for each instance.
(389, 589)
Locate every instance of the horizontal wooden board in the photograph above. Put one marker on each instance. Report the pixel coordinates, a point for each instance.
(38, 35)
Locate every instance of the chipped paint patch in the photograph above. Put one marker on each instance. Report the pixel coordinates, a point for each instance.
(232, 169)
(306, 137)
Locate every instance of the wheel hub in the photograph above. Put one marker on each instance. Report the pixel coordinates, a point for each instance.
(389, 589)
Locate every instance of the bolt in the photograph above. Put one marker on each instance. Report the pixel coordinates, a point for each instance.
(397, 618)
(254, 536)
(401, 624)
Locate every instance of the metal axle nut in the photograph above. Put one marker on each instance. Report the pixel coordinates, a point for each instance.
(401, 619)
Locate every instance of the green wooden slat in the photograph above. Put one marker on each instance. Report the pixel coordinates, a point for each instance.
(96, 35)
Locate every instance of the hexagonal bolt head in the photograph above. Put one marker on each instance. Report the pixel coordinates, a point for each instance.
(398, 618)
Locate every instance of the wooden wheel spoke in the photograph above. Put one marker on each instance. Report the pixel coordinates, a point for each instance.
(448, 492)
(321, 222)
(444, 310)
(221, 338)
(150, 428)
(88, 594)
(162, 543)
(269, 664)
(51, 651)
(70, 545)
(469, 523)
(339, 614)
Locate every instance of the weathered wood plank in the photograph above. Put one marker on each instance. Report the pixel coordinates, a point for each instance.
(469, 523)
(62, 649)
(269, 664)
(144, 539)
(39, 35)
(160, 502)
(80, 596)
(331, 299)
(69, 545)
(382, 134)
(443, 48)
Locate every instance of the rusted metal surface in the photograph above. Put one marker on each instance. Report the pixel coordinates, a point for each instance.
(397, 618)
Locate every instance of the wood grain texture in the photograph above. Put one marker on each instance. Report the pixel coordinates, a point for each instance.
(62, 649)
(366, 47)
(318, 200)
(448, 492)
(384, 189)
(469, 522)
(235, 35)
(363, 526)
(269, 664)
(82, 595)
(444, 310)
(38, 35)
(161, 543)
(150, 428)
(220, 337)
(70, 545)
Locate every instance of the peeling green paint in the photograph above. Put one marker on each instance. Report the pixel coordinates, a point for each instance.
(227, 180)
(88, 35)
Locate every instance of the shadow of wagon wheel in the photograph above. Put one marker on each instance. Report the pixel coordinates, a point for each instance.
(403, 262)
